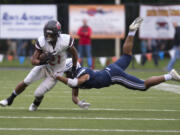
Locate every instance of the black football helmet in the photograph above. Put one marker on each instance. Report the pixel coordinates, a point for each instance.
(52, 29)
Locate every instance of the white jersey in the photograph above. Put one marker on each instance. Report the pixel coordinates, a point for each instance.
(64, 41)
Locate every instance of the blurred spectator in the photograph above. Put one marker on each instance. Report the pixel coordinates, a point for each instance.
(21, 49)
(12, 45)
(151, 46)
(84, 33)
(31, 47)
(176, 47)
(143, 51)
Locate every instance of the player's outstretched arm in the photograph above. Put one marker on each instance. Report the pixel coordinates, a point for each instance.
(82, 104)
(73, 82)
(75, 92)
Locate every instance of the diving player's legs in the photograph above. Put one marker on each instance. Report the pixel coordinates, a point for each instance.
(154, 80)
(129, 80)
(35, 74)
(125, 59)
(118, 76)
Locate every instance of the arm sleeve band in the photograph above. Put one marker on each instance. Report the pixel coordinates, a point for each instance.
(72, 82)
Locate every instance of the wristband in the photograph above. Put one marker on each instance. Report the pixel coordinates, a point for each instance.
(72, 82)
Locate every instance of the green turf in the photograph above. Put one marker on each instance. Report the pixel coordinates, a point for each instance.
(63, 114)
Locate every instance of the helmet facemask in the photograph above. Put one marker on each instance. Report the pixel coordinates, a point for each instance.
(50, 36)
(51, 31)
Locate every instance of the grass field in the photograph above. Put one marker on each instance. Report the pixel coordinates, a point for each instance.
(115, 110)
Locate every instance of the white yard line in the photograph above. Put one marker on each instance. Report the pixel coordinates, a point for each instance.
(94, 109)
(168, 87)
(89, 130)
(87, 118)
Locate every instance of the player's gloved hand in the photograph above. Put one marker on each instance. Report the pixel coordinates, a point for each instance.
(83, 104)
(73, 71)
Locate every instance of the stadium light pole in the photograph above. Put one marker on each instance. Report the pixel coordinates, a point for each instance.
(117, 40)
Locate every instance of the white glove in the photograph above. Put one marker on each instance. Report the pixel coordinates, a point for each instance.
(83, 104)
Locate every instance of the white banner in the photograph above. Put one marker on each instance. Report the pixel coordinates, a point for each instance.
(25, 21)
(106, 21)
(158, 21)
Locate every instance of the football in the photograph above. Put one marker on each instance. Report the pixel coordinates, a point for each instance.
(42, 56)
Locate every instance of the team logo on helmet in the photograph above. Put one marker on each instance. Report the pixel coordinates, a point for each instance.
(58, 25)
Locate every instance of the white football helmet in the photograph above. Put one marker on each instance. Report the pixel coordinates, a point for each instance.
(69, 65)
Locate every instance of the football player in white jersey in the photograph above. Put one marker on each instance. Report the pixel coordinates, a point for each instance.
(53, 46)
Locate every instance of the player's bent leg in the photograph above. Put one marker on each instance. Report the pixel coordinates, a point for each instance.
(124, 61)
(37, 101)
(35, 74)
(155, 80)
(44, 87)
(129, 81)
(128, 45)
(19, 88)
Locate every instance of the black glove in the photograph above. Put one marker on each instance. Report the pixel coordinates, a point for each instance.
(73, 71)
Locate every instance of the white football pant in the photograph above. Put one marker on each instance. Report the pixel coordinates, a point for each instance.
(37, 73)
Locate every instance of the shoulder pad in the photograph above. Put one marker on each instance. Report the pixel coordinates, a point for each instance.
(81, 72)
(40, 43)
(66, 40)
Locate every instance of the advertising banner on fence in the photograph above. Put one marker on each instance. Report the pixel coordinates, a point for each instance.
(106, 21)
(25, 21)
(158, 21)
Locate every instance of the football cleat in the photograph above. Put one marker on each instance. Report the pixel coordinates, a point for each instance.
(33, 107)
(175, 75)
(4, 102)
(135, 24)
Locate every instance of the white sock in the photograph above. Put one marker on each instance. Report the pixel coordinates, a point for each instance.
(132, 33)
(15, 93)
(167, 77)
